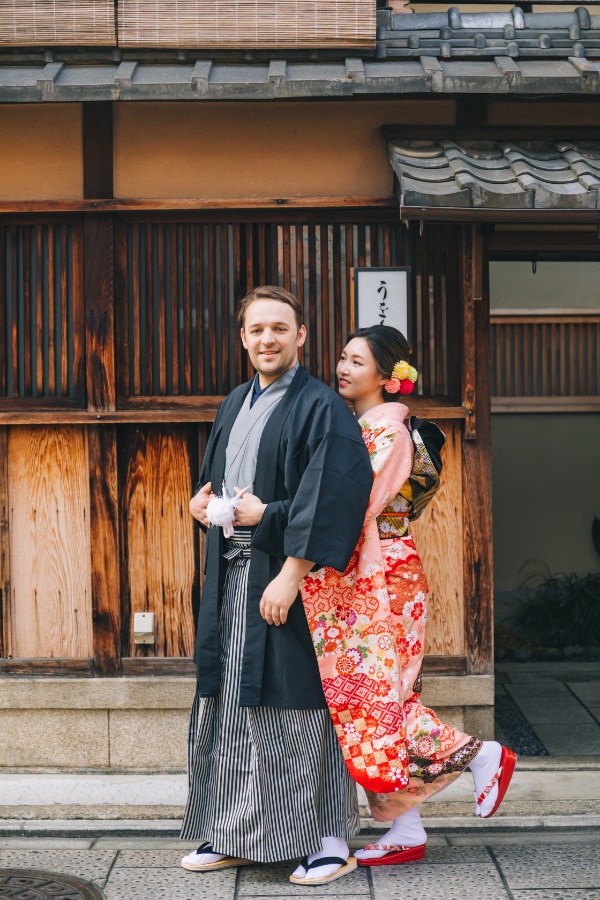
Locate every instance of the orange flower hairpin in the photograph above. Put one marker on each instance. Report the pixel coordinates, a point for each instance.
(403, 379)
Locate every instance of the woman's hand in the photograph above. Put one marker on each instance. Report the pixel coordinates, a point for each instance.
(249, 510)
(277, 599)
(283, 590)
(199, 502)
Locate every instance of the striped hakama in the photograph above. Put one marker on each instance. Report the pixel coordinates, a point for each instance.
(264, 783)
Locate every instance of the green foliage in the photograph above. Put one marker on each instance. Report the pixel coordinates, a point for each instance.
(596, 534)
(561, 610)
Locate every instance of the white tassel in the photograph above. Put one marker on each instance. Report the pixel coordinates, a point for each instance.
(221, 511)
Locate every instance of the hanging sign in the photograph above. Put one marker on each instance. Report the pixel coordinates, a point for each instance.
(382, 297)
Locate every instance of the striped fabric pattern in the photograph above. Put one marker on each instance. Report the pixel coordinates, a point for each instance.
(264, 784)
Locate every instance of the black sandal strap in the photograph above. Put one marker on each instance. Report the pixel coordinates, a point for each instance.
(206, 847)
(324, 861)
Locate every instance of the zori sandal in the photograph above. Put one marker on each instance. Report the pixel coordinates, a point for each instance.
(508, 761)
(394, 855)
(346, 866)
(189, 862)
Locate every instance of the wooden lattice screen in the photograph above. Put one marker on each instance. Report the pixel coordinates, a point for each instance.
(542, 359)
(63, 22)
(179, 284)
(41, 315)
(247, 23)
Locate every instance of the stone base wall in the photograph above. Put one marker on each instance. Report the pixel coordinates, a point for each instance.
(141, 723)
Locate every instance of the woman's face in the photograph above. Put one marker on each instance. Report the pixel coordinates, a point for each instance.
(357, 372)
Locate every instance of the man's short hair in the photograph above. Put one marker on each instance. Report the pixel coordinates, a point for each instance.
(270, 292)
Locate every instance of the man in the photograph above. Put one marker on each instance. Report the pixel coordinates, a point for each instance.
(267, 779)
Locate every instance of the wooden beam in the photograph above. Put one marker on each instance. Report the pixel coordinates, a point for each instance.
(445, 665)
(100, 313)
(97, 121)
(520, 216)
(97, 204)
(76, 668)
(99, 291)
(203, 410)
(5, 618)
(140, 666)
(477, 496)
(468, 266)
(104, 537)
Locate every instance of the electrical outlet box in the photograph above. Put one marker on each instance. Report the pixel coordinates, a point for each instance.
(143, 628)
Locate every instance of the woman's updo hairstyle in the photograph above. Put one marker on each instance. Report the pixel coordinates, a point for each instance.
(388, 346)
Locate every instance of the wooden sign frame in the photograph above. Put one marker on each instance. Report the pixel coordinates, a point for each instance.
(358, 320)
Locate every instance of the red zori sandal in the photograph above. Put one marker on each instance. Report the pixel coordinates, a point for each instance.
(394, 855)
(508, 761)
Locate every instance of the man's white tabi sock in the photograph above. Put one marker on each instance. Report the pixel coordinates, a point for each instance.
(483, 768)
(406, 831)
(332, 846)
(203, 859)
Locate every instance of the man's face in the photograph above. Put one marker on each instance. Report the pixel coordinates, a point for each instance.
(272, 338)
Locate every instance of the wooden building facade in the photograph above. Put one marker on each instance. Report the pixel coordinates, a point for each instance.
(129, 232)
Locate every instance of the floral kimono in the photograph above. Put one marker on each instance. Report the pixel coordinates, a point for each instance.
(368, 630)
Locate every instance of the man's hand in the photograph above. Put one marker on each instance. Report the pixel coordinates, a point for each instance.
(199, 502)
(249, 510)
(283, 590)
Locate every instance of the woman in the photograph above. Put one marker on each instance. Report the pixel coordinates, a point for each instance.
(368, 623)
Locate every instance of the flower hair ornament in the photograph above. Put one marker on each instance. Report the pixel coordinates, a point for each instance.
(403, 379)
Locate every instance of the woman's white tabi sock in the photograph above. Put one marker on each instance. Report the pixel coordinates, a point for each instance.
(332, 846)
(483, 768)
(406, 831)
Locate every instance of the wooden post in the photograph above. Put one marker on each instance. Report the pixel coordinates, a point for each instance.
(477, 447)
(99, 280)
(5, 623)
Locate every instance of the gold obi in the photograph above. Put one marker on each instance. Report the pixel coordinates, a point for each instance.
(414, 495)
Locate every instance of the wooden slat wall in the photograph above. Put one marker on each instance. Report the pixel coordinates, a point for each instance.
(235, 23)
(41, 311)
(179, 284)
(546, 355)
(49, 505)
(176, 286)
(437, 538)
(159, 544)
(64, 22)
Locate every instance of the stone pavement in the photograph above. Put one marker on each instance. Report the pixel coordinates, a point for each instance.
(560, 702)
(487, 862)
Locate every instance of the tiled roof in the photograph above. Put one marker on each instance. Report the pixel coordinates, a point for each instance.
(418, 53)
(497, 174)
(479, 36)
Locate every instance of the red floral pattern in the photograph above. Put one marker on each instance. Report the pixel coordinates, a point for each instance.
(368, 629)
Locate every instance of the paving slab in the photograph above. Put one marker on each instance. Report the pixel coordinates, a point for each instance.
(569, 740)
(547, 689)
(151, 859)
(420, 881)
(169, 884)
(561, 709)
(588, 693)
(585, 894)
(35, 843)
(91, 865)
(145, 843)
(576, 866)
(273, 881)
(543, 838)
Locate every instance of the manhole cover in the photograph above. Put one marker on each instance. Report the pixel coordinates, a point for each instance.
(31, 884)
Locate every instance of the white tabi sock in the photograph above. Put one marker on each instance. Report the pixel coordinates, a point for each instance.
(203, 859)
(332, 846)
(483, 768)
(406, 831)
